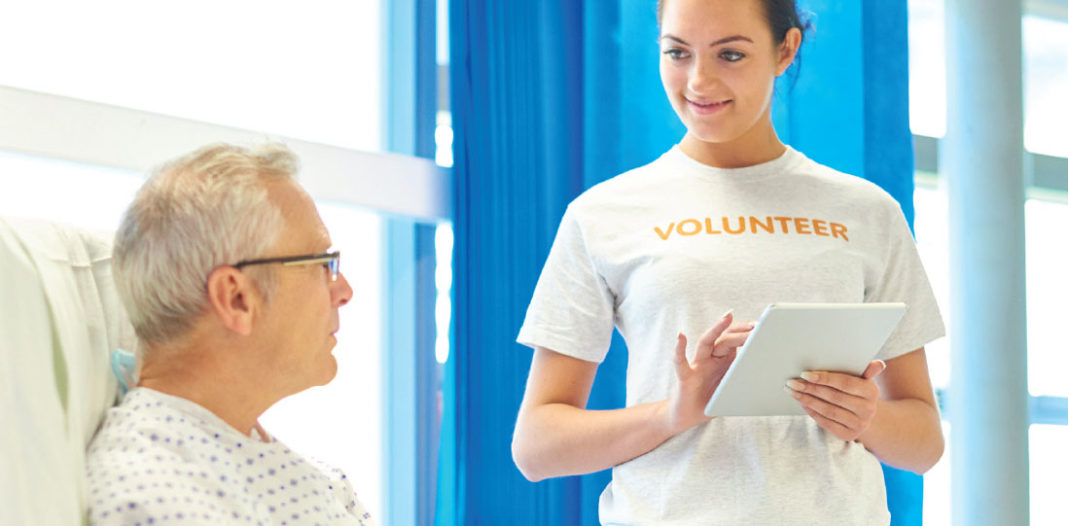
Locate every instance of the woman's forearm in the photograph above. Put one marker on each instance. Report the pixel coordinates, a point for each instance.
(906, 434)
(556, 436)
(555, 440)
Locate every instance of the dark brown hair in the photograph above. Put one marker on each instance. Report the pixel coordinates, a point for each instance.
(780, 14)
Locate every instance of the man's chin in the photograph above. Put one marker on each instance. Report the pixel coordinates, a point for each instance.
(330, 371)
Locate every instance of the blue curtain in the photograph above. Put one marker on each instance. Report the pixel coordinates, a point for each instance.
(551, 97)
(516, 94)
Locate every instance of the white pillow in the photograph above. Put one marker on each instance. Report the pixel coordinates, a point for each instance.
(59, 321)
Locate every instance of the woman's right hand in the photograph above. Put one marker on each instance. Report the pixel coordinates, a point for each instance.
(555, 435)
(699, 378)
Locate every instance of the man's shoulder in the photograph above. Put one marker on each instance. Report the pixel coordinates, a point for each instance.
(143, 480)
(143, 425)
(145, 439)
(141, 466)
(144, 454)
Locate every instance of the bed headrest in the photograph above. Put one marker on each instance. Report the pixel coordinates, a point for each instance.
(60, 319)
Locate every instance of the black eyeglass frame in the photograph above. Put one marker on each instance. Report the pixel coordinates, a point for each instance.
(331, 259)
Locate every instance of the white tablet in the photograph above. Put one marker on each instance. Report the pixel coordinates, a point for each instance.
(791, 338)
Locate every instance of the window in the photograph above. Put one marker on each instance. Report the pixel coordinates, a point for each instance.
(299, 70)
(927, 67)
(1045, 83)
(1045, 47)
(93, 197)
(1049, 476)
(1047, 288)
(1045, 64)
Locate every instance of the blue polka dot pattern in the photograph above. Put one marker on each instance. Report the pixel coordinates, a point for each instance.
(160, 459)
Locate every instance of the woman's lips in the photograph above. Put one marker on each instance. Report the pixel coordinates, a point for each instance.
(709, 107)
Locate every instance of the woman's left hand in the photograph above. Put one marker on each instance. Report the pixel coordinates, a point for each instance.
(842, 404)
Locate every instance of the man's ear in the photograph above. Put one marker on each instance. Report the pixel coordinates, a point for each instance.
(788, 50)
(233, 298)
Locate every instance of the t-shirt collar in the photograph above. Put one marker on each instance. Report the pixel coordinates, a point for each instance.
(778, 166)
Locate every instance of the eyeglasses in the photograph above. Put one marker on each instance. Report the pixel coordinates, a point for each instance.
(330, 260)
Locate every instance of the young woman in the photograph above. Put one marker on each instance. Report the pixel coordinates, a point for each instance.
(729, 219)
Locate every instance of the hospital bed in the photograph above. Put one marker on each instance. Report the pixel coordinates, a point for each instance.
(60, 321)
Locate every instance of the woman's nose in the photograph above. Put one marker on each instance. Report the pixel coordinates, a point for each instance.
(703, 76)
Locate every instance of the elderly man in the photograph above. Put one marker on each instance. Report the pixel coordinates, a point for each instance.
(225, 269)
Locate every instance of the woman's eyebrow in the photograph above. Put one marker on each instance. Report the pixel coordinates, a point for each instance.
(721, 41)
(675, 38)
(732, 38)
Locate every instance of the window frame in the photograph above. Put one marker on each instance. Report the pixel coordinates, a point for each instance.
(124, 138)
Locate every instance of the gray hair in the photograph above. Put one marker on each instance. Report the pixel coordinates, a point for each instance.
(198, 212)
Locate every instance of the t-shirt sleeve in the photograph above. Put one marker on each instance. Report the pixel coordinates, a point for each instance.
(572, 310)
(904, 280)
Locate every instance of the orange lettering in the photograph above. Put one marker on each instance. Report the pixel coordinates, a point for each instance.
(838, 228)
(729, 230)
(820, 226)
(801, 224)
(696, 227)
(708, 227)
(664, 235)
(753, 222)
(783, 222)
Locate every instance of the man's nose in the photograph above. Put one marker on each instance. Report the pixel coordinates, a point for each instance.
(342, 292)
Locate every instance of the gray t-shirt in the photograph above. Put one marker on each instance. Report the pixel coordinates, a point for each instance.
(669, 247)
(160, 459)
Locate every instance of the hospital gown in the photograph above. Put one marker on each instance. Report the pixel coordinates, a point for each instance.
(160, 459)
